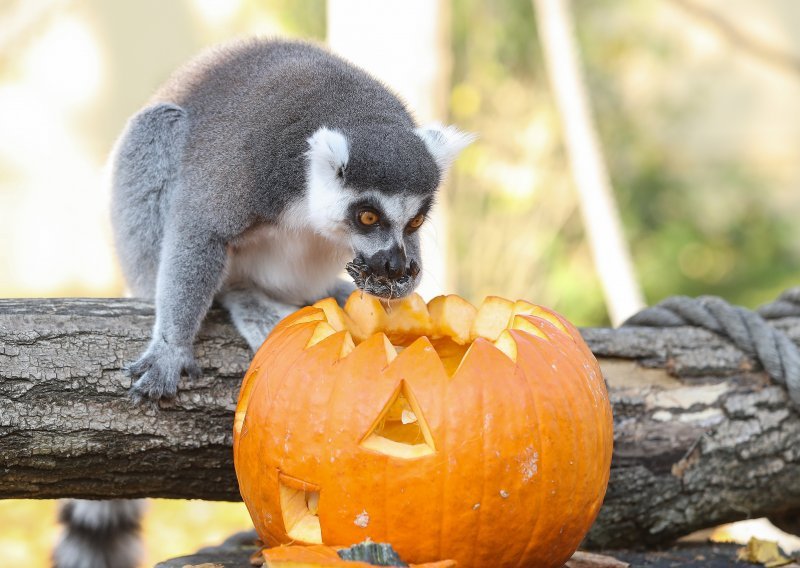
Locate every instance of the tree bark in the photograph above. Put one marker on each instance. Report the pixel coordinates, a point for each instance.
(702, 436)
(67, 428)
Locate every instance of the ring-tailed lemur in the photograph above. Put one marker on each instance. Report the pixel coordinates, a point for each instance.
(256, 173)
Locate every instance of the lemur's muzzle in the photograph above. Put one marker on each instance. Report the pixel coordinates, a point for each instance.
(387, 274)
(391, 263)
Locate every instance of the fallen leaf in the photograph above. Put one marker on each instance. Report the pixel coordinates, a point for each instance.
(591, 560)
(764, 552)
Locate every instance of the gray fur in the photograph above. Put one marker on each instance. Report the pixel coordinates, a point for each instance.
(218, 172)
(255, 313)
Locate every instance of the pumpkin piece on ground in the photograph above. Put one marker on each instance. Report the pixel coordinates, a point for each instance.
(320, 556)
(492, 318)
(367, 314)
(407, 319)
(452, 317)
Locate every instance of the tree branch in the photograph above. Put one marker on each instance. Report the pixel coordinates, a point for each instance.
(702, 436)
(783, 60)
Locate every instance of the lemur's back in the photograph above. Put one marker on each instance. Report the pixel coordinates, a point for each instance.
(230, 128)
(279, 75)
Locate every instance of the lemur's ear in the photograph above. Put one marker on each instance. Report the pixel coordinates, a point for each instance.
(444, 142)
(328, 152)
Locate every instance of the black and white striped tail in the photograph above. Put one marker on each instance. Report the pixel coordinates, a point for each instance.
(99, 534)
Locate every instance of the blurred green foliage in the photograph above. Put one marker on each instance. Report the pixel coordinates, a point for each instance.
(704, 221)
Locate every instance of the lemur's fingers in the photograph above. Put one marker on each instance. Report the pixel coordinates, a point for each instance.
(163, 367)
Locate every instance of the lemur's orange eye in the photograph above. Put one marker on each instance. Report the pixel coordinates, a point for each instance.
(368, 218)
(416, 222)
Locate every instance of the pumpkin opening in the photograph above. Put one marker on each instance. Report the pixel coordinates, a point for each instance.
(300, 508)
(401, 430)
(450, 323)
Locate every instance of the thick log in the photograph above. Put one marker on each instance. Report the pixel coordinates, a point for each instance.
(702, 436)
(67, 428)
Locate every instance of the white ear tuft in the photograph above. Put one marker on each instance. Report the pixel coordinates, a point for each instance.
(444, 142)
(328, 152)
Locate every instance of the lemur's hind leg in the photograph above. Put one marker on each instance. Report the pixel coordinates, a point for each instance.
(144, 167)
(254, 313)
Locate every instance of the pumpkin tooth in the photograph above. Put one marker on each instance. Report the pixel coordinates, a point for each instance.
(335, 315)
(505, 343)
(347, 345)
(323, 330)
(523, 323)
(376, 351)
(315, 315)
(391, 352)
(526, 308)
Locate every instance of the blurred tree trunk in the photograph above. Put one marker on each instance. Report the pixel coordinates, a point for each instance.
(600, 216)
(405, 44)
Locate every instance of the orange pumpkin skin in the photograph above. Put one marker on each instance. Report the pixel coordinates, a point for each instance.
(510, 467)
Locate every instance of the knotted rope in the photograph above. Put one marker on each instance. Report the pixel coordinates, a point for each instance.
(749, 330)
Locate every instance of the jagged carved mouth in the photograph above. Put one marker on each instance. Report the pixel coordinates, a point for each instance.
(382, 286)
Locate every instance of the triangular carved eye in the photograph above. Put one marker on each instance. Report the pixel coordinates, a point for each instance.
(400, 430)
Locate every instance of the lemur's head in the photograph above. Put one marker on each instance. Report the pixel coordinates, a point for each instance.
(371, 189)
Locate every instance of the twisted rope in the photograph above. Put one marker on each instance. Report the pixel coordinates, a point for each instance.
(749, 330)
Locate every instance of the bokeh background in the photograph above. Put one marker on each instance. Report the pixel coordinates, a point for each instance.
(696, 103)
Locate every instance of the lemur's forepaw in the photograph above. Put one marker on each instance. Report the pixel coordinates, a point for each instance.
(159, 370)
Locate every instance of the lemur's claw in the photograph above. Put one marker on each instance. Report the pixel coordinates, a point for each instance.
(159, 371)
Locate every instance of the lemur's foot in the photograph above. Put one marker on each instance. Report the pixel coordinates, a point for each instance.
(159, 369)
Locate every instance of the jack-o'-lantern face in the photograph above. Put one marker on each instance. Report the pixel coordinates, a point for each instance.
(447, 431)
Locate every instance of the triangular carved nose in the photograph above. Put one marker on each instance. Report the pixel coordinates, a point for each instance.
(400, 430)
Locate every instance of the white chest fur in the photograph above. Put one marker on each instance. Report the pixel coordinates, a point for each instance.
(292, 265)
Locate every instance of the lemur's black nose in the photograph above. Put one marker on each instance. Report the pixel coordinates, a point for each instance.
(390, 263)
(394, 271)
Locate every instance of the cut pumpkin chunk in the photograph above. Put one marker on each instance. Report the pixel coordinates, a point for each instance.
(320, 556)
(492, 318)
(335, 315)
(407, 319)
(452, 317)
(367, 314)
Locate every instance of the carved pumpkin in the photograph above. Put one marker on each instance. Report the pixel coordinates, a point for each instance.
(479, 435)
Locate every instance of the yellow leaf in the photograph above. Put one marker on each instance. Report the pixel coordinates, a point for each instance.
(764, 552)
